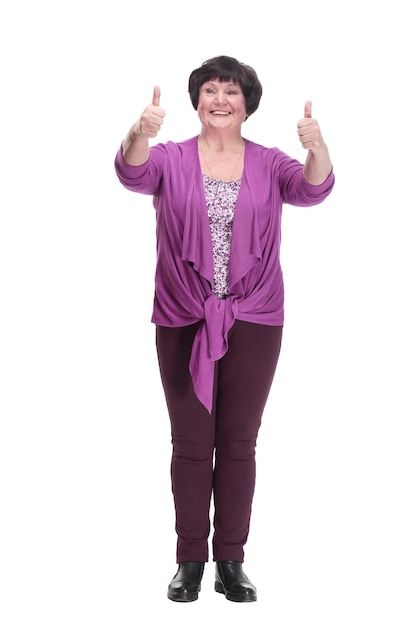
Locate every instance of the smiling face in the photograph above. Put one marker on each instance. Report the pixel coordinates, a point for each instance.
(221, 105)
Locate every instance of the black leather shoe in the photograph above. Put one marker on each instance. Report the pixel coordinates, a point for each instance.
(186, 584)
(231, 580)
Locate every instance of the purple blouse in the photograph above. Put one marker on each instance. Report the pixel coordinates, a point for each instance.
(184, 276)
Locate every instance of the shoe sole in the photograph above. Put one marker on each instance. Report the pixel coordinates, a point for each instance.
(184, 597)
(234, 597)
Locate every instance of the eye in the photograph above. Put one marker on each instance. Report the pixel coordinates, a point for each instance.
(233, 92)
(208, 90)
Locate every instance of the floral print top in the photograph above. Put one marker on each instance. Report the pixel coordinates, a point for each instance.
(221, 196)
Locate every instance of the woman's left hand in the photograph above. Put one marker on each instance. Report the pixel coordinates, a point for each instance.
(309, 131)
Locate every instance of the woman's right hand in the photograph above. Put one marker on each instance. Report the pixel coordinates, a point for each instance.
(135, 146)
(151, 120)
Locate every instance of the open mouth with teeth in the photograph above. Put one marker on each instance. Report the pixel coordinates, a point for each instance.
(216, 112)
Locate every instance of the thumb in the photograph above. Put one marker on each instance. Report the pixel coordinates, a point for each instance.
(156, 96)
(307, 109)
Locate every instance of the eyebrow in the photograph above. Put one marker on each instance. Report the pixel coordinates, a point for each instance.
(209, 82)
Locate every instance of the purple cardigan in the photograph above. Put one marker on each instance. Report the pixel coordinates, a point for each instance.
(184, 265)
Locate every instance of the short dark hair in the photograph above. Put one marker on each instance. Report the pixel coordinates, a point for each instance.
(225, 68)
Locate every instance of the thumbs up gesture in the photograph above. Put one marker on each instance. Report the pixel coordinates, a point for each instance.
(152, 118)
(309, 131)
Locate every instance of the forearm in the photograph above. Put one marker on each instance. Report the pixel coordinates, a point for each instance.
(317, 166)
(135, 146)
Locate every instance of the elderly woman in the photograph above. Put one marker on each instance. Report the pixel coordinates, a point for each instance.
(219, 302)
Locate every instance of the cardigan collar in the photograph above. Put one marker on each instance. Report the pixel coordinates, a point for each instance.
(197, 246)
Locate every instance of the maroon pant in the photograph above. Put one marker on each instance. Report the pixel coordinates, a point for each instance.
(215, 454)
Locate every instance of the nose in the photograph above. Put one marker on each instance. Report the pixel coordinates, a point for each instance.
(221, 97)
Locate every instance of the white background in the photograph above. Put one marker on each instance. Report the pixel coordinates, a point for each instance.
(86, 525)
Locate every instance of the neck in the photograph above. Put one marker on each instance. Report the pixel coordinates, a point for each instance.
(219, 142)
(220, 161)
